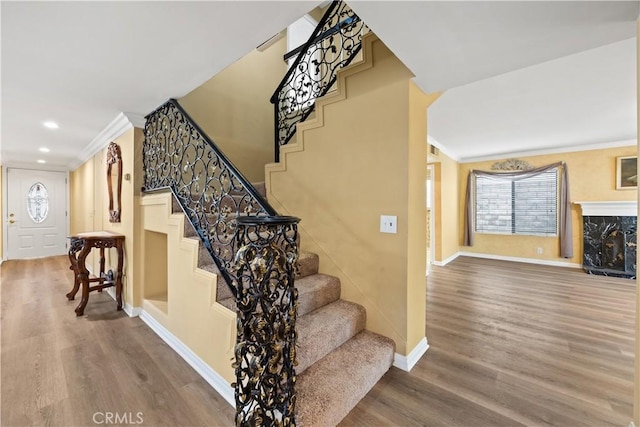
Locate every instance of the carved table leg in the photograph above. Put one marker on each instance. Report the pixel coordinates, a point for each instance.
(74, 247)
(84, 279)
(76, 285)
(101, 265)
(119, 274)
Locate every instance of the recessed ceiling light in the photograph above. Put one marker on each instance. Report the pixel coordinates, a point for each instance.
(50, 125)
(44, 149)
(41, 161)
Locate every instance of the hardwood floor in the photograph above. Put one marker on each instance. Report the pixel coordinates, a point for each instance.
(511, 344)
(63, 370)
(515, 344)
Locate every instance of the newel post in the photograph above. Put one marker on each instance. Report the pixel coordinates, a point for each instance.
(267, 307)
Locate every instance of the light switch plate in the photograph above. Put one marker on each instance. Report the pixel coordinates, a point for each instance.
(388, 224)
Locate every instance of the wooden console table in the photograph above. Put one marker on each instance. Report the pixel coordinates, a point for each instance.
(80, 247)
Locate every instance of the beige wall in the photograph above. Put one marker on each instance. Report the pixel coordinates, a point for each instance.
(89, 203)
(361, 160)
(233, 108)
(187, 305)
(446, 189)
(81, 197)
(636, 404)
(592, 176)
(417, 215)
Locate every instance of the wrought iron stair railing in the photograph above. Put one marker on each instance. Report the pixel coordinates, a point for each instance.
(335, 42)
(179, 156)
(255, 250)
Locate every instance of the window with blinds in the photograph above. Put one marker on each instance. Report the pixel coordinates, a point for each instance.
(520, 206)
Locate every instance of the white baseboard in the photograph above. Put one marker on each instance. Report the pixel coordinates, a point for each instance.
(448, 260)
(406, 363)
(525, 260)
(126, 307)
(214, 379)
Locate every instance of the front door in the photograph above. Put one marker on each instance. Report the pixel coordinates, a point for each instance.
(36, 213)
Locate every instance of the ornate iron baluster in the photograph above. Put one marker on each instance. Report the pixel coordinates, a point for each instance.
(267, 304)
(255, 250)
(334, 44)
(179, 156)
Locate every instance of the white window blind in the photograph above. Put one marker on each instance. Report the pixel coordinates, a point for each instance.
(522, 206)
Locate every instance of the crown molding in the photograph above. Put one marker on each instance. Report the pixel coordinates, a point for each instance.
(137, 120)
(567, 149)
(116, 128)
(432, 141)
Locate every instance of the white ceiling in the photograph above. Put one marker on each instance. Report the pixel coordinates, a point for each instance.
(83, 63)
(512, 76)
(585, 100)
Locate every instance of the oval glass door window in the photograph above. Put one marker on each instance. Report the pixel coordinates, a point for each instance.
(38, 202)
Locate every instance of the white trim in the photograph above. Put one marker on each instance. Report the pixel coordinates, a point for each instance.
(137, 120)
(616, 208)
(583, 147)
(131, 310)
(117, 127)
(432, 141)
(448, 260)
(214, 379)
(525, 260)
(126, 307)
(406, 363)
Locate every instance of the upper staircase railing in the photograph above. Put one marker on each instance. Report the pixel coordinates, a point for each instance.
(333, 45)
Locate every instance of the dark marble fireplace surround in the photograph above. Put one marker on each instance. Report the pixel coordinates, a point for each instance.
(610, 238)
(610, 245)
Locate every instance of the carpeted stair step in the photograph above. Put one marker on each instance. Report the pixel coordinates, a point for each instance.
(316, 291)
(325, 329)
(313, 292)
(332, 387)
(229, 303)
(308, 264)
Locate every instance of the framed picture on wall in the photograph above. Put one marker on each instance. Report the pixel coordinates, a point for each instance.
(627, 173)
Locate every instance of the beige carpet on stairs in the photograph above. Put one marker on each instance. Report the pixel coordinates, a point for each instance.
(338, 360)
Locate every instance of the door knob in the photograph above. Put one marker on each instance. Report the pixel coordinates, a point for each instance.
(11, 221)
(11, 215)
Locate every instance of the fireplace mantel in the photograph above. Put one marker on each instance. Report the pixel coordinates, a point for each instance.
(617, 208)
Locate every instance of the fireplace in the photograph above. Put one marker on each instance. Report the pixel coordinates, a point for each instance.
(610, 236)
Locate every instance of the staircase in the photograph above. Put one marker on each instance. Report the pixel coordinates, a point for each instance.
(338, 360)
